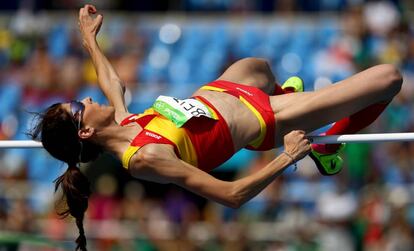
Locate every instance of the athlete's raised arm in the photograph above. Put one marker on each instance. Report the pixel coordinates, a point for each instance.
(159, 163)
(108, 79)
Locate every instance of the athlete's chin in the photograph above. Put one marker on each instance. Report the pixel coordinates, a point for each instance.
(106, 111)
(111, 109)
(107, 108)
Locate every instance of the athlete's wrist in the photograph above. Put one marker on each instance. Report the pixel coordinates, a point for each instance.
(289, 156)
(90, 43)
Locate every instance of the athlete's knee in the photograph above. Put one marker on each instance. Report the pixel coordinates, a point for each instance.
(257, 72)
(260, 66)
(391, 78)
(255, 61)
(255, 64)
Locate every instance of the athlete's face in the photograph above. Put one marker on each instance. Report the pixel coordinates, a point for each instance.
(87, 113)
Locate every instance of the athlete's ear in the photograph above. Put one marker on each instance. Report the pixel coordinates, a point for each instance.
(86, 132)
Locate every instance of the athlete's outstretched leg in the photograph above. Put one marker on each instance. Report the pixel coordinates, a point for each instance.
(351, 125)
(311, 110)
(326, 156)
(358, 100)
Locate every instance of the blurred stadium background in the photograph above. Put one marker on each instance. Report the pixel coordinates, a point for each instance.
(172, 47)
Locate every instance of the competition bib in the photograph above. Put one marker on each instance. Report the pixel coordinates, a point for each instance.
(179, 111)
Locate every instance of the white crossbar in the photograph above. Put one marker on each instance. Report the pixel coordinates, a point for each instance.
(363, 138)
(20, 144)
(332, 139)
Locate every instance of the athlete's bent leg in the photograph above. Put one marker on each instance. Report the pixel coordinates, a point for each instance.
(256, 72)
(251, 71)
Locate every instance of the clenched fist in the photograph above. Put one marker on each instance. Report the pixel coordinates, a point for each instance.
(296, 144)
(88, 24)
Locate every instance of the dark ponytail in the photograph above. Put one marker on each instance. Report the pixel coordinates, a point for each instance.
(76, 191)
(59, 136)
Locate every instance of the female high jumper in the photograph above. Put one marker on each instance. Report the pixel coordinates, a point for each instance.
(180, 141)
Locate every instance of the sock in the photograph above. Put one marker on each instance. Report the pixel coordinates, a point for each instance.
(279, 91)
(351, 125)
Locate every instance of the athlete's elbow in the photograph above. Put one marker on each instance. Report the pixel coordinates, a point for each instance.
(118, 83)
(236, 202)
(233, 206)
(232, 203)
(236, 198)
(390, 79)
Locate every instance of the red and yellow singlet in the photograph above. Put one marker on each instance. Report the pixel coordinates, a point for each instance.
(204, 142)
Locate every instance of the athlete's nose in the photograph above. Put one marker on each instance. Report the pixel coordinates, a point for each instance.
(87, 100)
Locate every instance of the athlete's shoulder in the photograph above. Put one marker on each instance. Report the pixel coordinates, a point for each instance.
(145, 164)
(152, 153)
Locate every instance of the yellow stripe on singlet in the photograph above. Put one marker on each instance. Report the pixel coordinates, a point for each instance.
(178, 136)
(131, 150)
(212, 88)
(126, 157)
(167, 129)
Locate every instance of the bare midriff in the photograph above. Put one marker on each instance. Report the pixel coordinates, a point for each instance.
(243, 124)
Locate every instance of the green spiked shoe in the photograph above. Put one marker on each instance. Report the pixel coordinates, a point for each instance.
(294, 83)
(328, 164)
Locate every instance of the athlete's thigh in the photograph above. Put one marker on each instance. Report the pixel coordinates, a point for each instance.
(311, 110)
(252, 72)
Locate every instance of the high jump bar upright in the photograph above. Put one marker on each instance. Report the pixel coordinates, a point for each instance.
(331, 139)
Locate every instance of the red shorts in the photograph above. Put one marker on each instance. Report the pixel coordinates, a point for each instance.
(258, 102)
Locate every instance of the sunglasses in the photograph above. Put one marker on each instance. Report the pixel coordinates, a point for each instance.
(77, 108)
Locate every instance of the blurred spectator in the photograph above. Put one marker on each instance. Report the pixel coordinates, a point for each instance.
(69, 79)
(369, 206)
(19, 217)
(42, 82)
